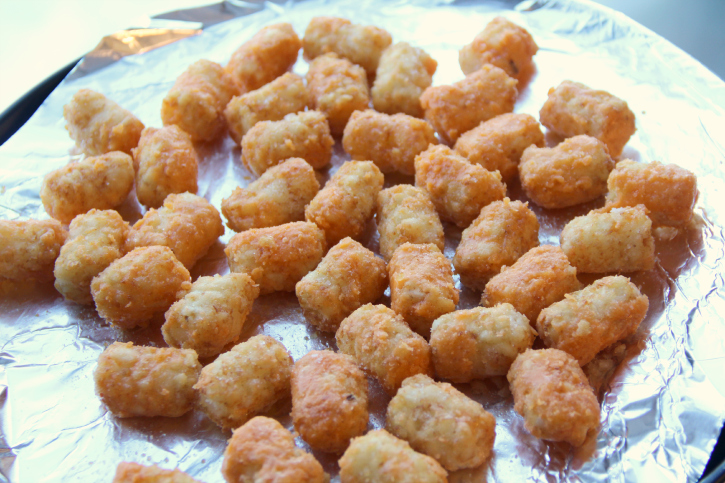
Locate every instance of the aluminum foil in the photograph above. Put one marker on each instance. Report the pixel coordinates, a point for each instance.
(661, 411)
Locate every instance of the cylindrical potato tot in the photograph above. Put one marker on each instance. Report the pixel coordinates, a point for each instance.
(279, 196)
(382, 343)
(138, 285)
(348, 277)
(263, 450)
(553, 395)
(347, 202)
(245, 381)
(479, 343)
(457, 188)
(100, 182)
(28, 249)
(277, 257)
(146, 381)
(211, 315)
(440, 421)
(391, 142)
(304, 135)
(96, 240)
(452, 110)
(98, 125)
(573, 108)
(497, 144)
(197, 100)
(403, 74)
(166, 163)
(329, 400)
(337, 89)
(136, 473)
(421, 285)
(502, 233)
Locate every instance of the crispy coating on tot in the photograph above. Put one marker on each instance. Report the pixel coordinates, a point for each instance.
(28, 249)
(135, 473)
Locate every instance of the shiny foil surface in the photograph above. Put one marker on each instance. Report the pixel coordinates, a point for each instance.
(661, 410)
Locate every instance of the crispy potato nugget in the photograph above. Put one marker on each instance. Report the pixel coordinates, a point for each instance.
(146, 381)
(136, 473)
(29, 249)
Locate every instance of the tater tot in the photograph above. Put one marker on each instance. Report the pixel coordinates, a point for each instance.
(457, 188)
(100, 182)
(144, 282)
(98, 125)
(539, 278)
(329, 400)
(573, 108)
(245, 381)
(197, 100)
(211, 315)
(479, 342)
(97, 239)
(347, 202)
(349, 277)
(285, 95)
(166, 163)
(452, 110)
(553, 395)
(136, 473)
(337, 89)
(391, 142)
(382, 343)
(277, 257)
(304, 135)
(279, 196)
(497, 144)
(263, 450)
(28, 249)
(668, 191)
(146, 381)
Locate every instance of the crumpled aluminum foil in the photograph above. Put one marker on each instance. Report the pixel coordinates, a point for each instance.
(663, 408)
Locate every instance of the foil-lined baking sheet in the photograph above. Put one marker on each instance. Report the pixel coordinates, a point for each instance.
(662, 409)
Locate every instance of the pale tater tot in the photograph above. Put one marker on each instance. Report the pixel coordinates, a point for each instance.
(303, 135)
(197, 100)
(211, 315)
(277, 257)
(98, 125)
(97, 239)
(347, 202)
(381, 457)
(457, 188)
(454, 109)
(479, 342)
(538, 279)
(421, 285)
(349, 277)
(553, 395)
(100, 182)
(263, 450)
(136, 473)
(269, 54)
(442, 422)
(285, 95)
(329, 400)
(403, 74)
(188, 224)
(497, 144)
(668, 191)
(391, 142)
(279, 196)
(146, 381)
(245, 381)
(166, 163)
(28, 249)
(337, 89)
(142, 283)
(573, 108)
(618, 241)
(407, 214)
(382, 343)
(593, 318)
